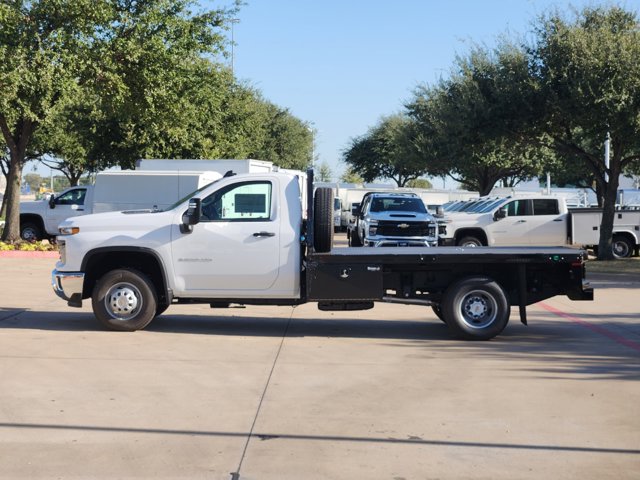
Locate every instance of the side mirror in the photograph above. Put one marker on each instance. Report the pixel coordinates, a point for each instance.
(192, 216)
(355, 211)
(52, 201)
(439, 211)
(500, 214)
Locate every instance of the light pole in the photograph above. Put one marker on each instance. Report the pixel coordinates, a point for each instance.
(313, 146)
(233, 22)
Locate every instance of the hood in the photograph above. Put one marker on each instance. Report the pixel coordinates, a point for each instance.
(134, 220)
(402, 216)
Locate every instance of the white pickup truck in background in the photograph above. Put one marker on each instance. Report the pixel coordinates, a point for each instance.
(537, 221)
(112, 191)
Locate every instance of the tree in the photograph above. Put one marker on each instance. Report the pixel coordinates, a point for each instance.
(128, 55)
(349, 176)
(467, 122)
(286, 140)
(388, 150)
(589, 78)
(324, 173)
(419, 183)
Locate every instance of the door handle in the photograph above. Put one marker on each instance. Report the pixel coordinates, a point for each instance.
(264, 234)
(521, 221)
(559, 220)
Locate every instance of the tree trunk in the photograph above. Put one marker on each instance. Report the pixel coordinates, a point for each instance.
(610, 192)
(17, 144)
(11, 232)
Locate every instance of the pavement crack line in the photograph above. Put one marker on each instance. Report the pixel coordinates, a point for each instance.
(236, 475)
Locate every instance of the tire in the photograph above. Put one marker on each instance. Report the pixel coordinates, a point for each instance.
(469, 242)
(354, 239)
(161, 308)
(30, 232)
(323, 220)
(437, 309)
(476, 308)
(621, 246)
(124, 300)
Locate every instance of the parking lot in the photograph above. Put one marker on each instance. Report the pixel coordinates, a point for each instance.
(296, 393)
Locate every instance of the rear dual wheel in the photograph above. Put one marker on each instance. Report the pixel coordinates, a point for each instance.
(475, 308)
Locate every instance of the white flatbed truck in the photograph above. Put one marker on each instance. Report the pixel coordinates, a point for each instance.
(245, 240)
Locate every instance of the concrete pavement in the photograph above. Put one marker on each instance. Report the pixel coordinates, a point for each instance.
(295, 393)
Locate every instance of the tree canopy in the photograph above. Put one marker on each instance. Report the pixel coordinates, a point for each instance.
(388, 150)
(520, 109)
(91, 84)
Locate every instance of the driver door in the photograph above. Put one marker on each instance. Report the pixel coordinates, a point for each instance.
(235, 249)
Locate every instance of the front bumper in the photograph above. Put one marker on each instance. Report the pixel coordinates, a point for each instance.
(379, 241)
(68, 286)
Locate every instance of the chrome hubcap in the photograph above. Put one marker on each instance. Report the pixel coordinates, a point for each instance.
(123, 301)
(479, 309)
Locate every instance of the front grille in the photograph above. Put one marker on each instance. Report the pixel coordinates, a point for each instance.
(405, 229)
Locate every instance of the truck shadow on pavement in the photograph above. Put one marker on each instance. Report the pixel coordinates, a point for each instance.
(565, 349)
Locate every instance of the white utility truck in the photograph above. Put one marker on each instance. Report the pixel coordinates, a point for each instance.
(112, 191)
(536, 221)
(249, 239)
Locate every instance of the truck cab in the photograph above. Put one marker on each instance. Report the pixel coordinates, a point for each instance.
(39, 219)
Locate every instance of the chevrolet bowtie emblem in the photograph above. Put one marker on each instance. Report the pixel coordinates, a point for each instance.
(403, 225)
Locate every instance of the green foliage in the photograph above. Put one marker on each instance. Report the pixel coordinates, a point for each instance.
(324, 173)
(468, 122)
(419, 183)
(349, 176)
(388, 150)
(91, 84)
(33, 180)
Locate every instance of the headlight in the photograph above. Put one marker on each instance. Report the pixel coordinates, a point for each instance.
(68, 230)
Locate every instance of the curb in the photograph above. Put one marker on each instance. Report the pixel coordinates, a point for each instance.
(24, 254)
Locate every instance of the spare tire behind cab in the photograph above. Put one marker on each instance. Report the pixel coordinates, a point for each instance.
(323, 220)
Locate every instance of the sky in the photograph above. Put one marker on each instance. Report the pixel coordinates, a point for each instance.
(341, 65)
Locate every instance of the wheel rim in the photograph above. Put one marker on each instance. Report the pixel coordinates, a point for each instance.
(123, 301)
(478, 309)
(29, 234)
(620, 249)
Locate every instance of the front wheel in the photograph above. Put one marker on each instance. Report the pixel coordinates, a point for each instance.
(124, 300)
(469, 242)
(354, 239)
(475, 308)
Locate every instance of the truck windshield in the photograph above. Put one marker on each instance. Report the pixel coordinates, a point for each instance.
(490, 206)
(398, 205)
(190, 195)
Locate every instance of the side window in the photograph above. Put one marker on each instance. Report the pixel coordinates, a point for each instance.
(239, 202)
(72, 197)
(545, 206)
(517, 208)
